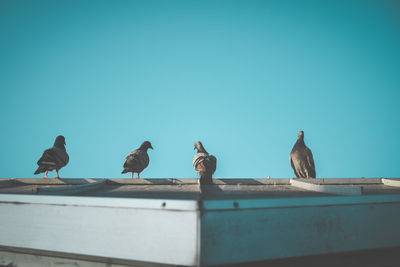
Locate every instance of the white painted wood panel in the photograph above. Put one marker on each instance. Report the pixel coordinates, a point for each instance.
(129, 229)
(329, 189)
(257, 230)
(391, 182)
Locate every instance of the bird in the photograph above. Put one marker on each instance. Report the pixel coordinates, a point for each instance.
(137, 160)
(204, 163)
(53, 158)
(301, 159)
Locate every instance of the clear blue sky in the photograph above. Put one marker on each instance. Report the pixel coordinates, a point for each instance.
(241, 76)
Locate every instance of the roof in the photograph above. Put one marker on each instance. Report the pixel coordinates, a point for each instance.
(234, 221)
(189, 188)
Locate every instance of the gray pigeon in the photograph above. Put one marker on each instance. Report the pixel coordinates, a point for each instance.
(137, 160)
(301, 159)
(53, 158)
(204, 163)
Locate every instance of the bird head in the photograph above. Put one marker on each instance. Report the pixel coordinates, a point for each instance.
(60, 141)
(300, 134)
(199, 146)
(146, 145)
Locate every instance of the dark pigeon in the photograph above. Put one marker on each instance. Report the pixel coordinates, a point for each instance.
(301, 159)
(53, 158)
(204, 163)
(137, 160)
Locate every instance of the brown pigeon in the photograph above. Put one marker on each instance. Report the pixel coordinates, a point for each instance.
(53, 158)
(137, 160)
(204, 163)
(301, 159)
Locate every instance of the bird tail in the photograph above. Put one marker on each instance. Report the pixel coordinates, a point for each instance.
(124, 171)
(206, 178)
(39, 170)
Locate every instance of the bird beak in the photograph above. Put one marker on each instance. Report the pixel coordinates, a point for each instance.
(151, 147)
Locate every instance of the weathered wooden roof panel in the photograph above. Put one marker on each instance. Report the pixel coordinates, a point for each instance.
(189, 188)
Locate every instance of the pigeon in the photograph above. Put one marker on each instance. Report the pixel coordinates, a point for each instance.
(53, 158)
(301, 159)
(137, 160)
(204, 163)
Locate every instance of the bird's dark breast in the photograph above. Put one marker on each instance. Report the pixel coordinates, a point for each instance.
(299, 153)
(300, 163)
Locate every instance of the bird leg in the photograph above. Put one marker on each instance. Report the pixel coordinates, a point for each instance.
(58, 177)
(46, 174)
(138, 175)
(132, 175)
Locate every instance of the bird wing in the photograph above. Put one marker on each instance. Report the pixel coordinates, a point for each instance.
(204, 163)
(292, 164)
(211, 163)
(198, 159)
(310, 161)
(61, 155)
(51, 157)
(136, 160)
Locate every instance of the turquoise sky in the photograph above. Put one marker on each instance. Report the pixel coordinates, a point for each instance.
(241, 76)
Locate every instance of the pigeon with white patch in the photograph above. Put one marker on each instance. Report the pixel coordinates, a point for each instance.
(137, 160)
(204, 163)
(301, 159)
(53, 158)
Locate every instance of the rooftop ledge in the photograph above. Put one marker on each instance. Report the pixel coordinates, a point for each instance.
(172, 188)
(168, 222)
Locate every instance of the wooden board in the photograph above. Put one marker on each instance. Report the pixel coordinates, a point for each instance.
(311, 185)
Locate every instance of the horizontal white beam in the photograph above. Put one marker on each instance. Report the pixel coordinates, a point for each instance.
(296, 202)
(348, 181)
(109, 202)
(329, 189)
(390, 182)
